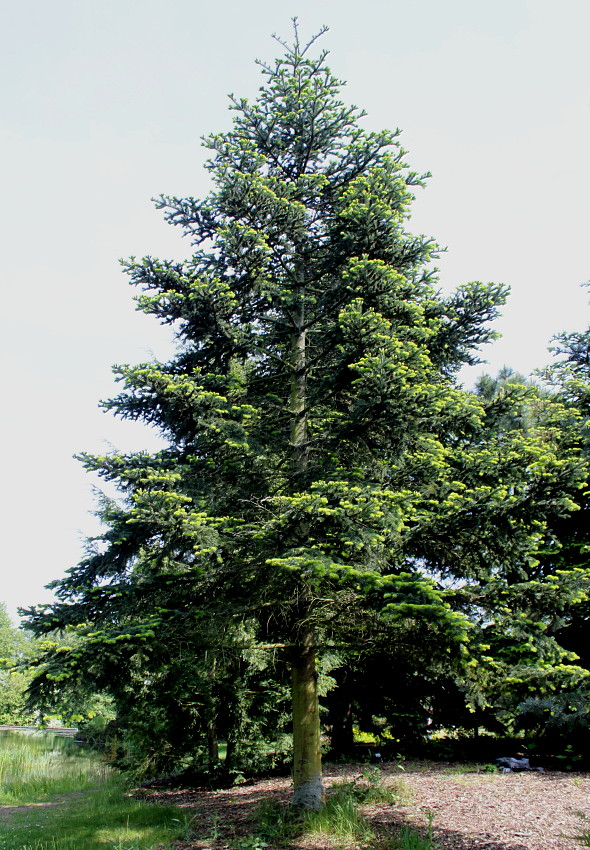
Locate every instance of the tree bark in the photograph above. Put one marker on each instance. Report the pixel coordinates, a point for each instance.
(298, 395)
(340, 715)
(236, 717)
(308, 787)
(212, 742)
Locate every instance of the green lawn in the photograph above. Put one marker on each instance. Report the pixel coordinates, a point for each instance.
(74, 801)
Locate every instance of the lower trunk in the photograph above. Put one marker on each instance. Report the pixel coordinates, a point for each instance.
(342, 734)
(308, 790)
(231, 754)
(235, 715)
(340, 717)
(212, 743)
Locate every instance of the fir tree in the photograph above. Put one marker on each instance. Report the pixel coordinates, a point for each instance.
(320, 453)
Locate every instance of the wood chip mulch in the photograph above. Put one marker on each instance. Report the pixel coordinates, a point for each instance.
(469, 811)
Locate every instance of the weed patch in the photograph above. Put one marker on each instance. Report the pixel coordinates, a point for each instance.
(370, 789)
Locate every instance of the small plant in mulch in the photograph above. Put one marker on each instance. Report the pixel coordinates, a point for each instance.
(584, 837)
(368, 788)
(253, 842)
(411, 839)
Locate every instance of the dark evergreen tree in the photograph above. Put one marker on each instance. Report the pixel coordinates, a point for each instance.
(527, 610)
(567, 551)
(493, 489)
(322, 463)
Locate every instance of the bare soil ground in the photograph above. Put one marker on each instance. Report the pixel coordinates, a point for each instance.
(472, 811)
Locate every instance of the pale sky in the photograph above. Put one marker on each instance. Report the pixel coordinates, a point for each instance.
(102, 107)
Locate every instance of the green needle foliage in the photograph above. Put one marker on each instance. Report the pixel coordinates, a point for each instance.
(323, 470)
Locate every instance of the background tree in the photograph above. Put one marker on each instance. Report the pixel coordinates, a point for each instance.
(565, 712)
(500, 495)
(323, 467)
(15, 648)
(569, 378)
(524, 612)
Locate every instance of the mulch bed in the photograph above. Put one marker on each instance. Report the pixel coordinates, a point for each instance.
(470, 811)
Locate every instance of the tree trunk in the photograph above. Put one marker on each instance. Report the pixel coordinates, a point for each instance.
(308, 791)
(340, 716)
(308, 788)
(298, 397)
(235, 713)
(212, 743)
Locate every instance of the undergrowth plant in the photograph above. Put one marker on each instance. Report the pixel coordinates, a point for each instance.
(339, 819)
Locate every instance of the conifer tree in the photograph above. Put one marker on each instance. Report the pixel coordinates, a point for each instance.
(315, 428)
(569, 377)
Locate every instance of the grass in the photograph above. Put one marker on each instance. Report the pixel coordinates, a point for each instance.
(409, 839)
(472, 774)
(340, 818)
(77, 803)
(36, 767)
(340, 822)
(74, 801)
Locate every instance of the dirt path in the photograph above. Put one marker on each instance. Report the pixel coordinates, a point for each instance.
(7, 811)
(526, 811)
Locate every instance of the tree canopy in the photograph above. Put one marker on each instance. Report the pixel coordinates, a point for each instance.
(324, 472)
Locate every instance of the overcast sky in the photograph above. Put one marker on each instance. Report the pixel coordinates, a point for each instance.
(102, 107)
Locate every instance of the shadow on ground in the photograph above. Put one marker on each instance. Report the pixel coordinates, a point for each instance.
(221, 818)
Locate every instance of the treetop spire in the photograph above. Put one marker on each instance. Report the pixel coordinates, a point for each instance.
(295, 48)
